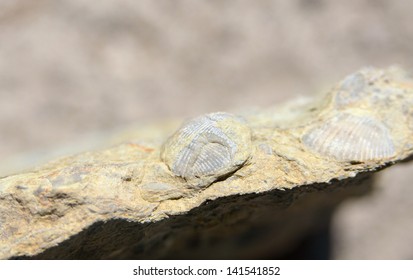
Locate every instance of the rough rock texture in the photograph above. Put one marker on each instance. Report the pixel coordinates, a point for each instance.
(274, 224)
(142, 61)
(130, 181)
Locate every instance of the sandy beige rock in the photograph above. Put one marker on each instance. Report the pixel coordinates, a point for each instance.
(130, 181)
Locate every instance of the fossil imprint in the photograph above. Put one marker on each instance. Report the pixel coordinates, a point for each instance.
(370, 88)
(358, 127)
(208, 147)
(351, 138)
(369, 119)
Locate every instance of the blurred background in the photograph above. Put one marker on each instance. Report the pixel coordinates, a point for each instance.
(75, 68)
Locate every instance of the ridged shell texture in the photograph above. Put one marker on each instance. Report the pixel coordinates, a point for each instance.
(351, 138)
(209, 146)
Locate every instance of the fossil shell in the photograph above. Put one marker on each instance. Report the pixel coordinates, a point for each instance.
(351, 138)
(351, 89)
(207, 148)
(371, 88)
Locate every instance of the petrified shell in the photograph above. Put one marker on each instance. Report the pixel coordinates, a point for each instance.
(371, 88)
(351, 138)
(207, 148)
(351, 89)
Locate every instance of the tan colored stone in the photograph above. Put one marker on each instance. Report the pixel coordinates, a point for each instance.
(43, 207)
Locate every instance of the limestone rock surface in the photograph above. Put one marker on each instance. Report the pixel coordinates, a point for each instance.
(363, 124)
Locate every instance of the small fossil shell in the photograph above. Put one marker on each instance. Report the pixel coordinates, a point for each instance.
(371, 88)
(351, 89)
(351, 138)
(207, 148)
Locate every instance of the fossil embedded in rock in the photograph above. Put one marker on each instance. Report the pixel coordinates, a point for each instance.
(351, 138)
(371, 88)
(208, 147)
(351, 89)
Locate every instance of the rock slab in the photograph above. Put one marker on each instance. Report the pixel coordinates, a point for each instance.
(312, 146)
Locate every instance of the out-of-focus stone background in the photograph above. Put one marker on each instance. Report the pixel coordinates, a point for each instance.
(69, 69)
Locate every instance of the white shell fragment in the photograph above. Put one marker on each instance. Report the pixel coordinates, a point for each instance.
(347, 137)
(207, 148)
